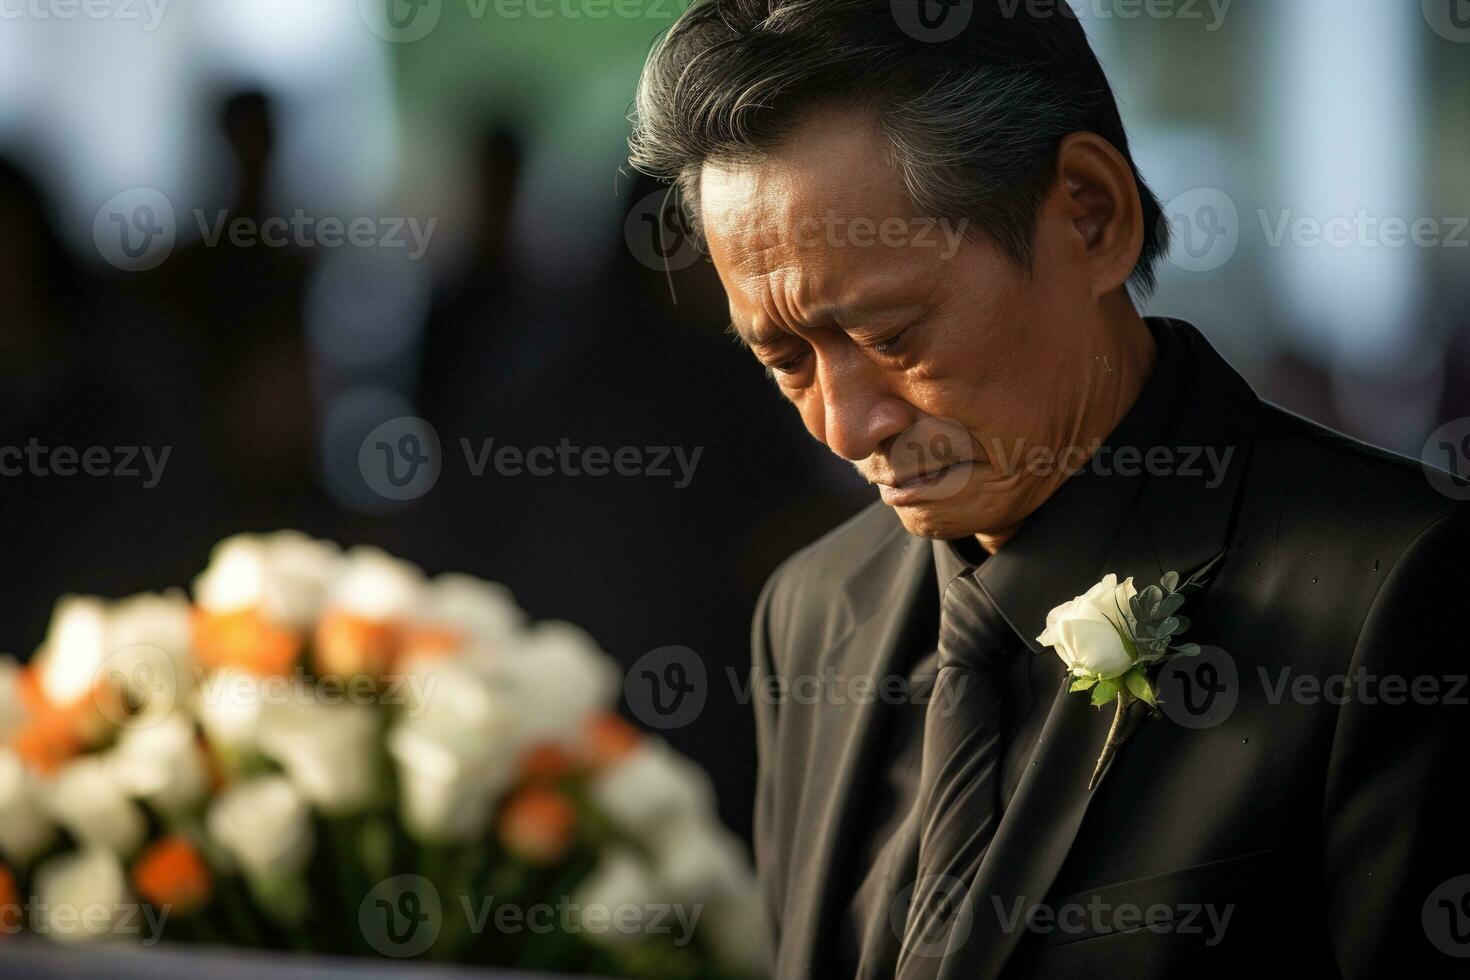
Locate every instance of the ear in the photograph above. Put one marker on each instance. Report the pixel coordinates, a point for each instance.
(1099, 196)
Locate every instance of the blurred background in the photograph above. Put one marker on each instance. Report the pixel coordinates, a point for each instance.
(510, 280)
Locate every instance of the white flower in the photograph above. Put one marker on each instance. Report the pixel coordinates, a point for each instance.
(376, 586)
(265, 824)
(556, 678)
(12, 709)
(1085, 631)
(83, 798)
(285, 575)
(454, 757)
(229, 704)
(74, 649)
(652, 787)
(151, 619)
(620, 880)
(330, 752)
(81, 895)
(484, 612)
(697, 859)
(150, 659)
(25, 829)
(161, 763)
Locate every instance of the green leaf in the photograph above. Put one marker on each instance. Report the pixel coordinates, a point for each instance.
(1170, 581)
(1187, 649)
(1082, 684)
(1139, 686)
(1171, 605)
(1152, 596)
(1198, 579)
(1182, 624)
(1168, 627)
(1104, 692)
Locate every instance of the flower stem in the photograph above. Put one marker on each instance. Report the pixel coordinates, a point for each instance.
(1110, 747)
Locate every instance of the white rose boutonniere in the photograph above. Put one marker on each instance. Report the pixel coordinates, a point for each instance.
(1113, 638)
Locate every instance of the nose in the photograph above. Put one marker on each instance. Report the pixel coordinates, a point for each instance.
(857, 412)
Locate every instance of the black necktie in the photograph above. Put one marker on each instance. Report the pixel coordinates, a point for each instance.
(959, 779)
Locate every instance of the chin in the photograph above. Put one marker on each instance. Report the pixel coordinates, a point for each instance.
(944, 519)
(979, 507)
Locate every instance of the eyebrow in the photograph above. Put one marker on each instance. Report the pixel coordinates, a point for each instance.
(846, 316)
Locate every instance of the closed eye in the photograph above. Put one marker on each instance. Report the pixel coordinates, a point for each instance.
(890, 345)
(789, 365)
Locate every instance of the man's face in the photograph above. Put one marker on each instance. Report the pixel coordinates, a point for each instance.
(933, 362)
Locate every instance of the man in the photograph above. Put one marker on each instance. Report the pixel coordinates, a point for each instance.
(928, 237)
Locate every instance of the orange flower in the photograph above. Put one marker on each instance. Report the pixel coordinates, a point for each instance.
(538, 825)
(51, 734)
(9, 903)
(348, 645)
(244, 639)
(608, 738)
(546, 763)
(170, 873)
(430, 641)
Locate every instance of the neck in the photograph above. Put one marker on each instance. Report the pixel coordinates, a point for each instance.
(1121, 361)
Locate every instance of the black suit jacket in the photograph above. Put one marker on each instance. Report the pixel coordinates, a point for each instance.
(1302, 820)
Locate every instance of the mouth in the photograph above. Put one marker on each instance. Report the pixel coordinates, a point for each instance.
(926, 486)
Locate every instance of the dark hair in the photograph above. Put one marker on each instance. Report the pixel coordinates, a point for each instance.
(974, 119)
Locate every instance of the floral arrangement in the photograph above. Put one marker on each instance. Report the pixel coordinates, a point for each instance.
(327, 751)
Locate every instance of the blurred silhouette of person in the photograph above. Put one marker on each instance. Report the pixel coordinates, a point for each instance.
(234, 349)
(54, 395)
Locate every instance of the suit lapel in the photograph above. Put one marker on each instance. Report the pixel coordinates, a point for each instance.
(880, 596)
(1173, 522)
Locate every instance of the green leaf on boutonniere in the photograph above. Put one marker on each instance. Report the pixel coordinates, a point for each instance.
(1082, 684)
(1170, 581)
(1197, 580)
(1187, 649)
(1139, 686)
(1104, 692)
